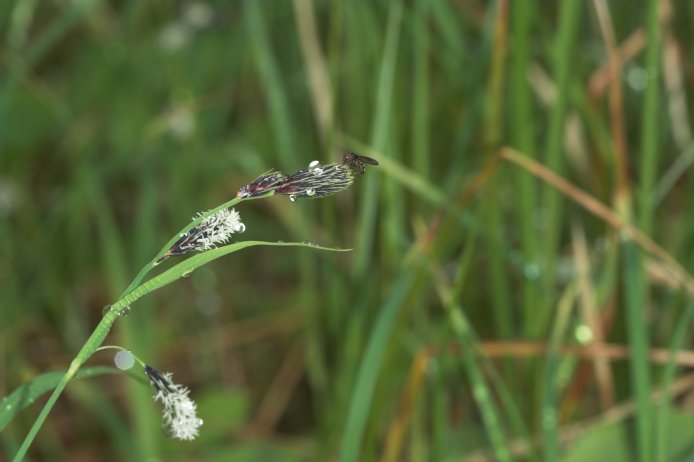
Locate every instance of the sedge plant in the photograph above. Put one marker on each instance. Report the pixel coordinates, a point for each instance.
(208, 234)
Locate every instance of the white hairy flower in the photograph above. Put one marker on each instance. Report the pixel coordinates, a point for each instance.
(208, 234)
(218, 228)
(180, 416)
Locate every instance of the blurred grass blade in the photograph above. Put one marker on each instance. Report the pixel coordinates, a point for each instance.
(270, 75)
(379, 134)
(522, 127)
(26, 394)
(551, 389)
(563, 58)
(494, 124)
(370, 368)
(651, 118)
(637, 331)
(682, 325)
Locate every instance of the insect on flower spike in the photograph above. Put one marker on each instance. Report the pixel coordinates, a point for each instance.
(358, 161)
(317, 181)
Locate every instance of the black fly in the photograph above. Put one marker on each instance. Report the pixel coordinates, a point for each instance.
(358, 161)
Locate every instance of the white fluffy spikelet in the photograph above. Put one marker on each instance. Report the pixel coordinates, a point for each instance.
(180, 416)
(208, 234)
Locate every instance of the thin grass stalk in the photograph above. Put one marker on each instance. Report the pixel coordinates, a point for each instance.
(370, 368)
(491, 416)
(278, 105)
(439, 412)
(315, 68)
(637, 331)
(492, 136)
(550, 388)
(90, 345)
(570, 15)
(662, 412)
(522, 127)
(651, 118)
(461, 326)
(421, 161)
(508, 402)
(619, 143)
(379, 137)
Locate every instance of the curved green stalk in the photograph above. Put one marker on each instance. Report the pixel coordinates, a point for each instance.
(88, 348)
(132, 295)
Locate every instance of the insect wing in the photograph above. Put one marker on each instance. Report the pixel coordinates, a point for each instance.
(366, 160)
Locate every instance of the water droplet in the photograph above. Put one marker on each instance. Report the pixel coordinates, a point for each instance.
(583, 334)
(280, 242)
(292, 197)
(531, 271)
(637, 78)
(310, 192)
(124, 360)
(106, 309)
(124, 312)
(313, 164)
(200, 422)
(187, 274)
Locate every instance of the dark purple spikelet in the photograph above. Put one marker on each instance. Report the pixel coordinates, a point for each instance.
(158, 381)
(268, 181)
(317, 181)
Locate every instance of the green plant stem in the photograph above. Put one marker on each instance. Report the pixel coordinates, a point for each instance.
(87, 350)
(551, 388)
(130, 295)
(569, 20)
(116, 347)
(637, 330)
(650, 121)
(104, 326)
(148, 267)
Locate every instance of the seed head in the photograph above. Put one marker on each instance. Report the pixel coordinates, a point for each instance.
(268, 181)
(210, 232)
(317, 181)
(179, 410)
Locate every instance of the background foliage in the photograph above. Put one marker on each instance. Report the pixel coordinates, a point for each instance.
(482, 314)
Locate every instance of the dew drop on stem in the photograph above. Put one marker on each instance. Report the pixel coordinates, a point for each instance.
(124, 312)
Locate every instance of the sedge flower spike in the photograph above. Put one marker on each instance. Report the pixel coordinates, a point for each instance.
(316, 181)
(265, 183)
(210, 232)
(179, 416)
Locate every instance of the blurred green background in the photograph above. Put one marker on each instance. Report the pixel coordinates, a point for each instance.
(482, 314)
